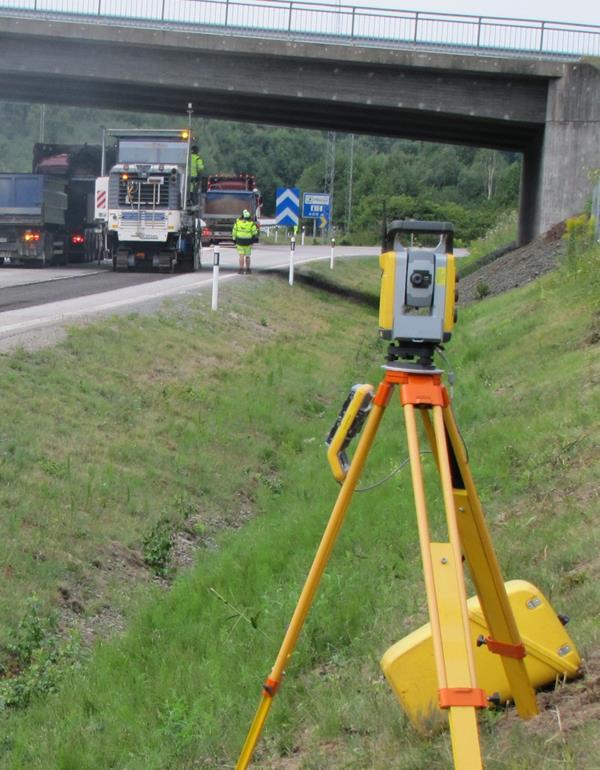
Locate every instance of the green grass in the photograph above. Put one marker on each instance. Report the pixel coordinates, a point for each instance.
(219, 419)
(504, 234)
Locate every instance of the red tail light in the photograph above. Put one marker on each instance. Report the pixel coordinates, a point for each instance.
(30, 236)
(77, 239)
(206, 231)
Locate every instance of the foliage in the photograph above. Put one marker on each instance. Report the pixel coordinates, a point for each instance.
(580, 235)
(39, 659)
(157, 547)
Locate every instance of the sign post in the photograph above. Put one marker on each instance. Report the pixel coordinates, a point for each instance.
(292, 249)
(215, 283)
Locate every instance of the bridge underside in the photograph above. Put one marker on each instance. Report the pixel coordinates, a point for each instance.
(431, 97)
(311, 113)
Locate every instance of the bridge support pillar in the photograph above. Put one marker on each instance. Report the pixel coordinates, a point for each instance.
(571, 146)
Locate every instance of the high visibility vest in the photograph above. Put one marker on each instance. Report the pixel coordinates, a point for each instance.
(244, 231)
(196, 165)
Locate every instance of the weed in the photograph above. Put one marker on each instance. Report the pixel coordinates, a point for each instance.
(40, 656)
(31, 633)
(157, 546)
(482, 290)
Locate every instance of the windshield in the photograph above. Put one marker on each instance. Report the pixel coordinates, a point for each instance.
(136, 151)
(230, 203)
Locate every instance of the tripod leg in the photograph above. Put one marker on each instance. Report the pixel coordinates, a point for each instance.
(446, 598)
(316, 571)
(485, 571)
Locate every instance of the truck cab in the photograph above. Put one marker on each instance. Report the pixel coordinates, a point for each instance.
(223, 198)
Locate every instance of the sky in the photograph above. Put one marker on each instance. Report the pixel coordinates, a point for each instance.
(580, 11)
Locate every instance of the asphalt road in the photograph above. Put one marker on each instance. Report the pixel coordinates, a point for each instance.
(36, 304)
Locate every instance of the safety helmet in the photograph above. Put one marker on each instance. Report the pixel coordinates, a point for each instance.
(245, 214)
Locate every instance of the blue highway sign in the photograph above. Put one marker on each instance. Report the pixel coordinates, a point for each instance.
(316, 206)
(287, 206)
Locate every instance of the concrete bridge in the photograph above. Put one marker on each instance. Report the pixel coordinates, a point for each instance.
(545, 105)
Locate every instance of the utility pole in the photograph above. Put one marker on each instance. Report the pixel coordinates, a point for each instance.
(42, 122)
(350, 181)
(330, 174)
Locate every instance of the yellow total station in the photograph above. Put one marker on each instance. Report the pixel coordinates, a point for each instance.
(418, 288)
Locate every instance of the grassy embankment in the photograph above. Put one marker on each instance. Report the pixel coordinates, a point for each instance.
(215, 420)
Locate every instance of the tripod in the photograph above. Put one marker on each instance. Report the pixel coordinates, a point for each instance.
(421, 389)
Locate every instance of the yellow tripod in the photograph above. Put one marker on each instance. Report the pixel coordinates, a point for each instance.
(421, 389)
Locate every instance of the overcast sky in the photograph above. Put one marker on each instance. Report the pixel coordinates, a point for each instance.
(582, 11)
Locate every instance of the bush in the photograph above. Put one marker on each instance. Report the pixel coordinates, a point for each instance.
(157, 546)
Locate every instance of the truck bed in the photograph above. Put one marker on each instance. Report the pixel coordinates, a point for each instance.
(32, 199)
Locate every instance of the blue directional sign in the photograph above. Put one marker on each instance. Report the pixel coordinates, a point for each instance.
(316, 206)
(287, 206)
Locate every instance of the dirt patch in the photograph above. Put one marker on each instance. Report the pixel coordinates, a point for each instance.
(566, 707)
(515, 268)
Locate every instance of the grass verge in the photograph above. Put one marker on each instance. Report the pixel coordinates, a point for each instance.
(219, 419)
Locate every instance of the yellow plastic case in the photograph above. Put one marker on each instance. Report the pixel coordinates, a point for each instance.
(409, 664)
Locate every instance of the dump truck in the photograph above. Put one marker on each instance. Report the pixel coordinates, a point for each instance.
(47, 217)
(142, 201)
(222, 200)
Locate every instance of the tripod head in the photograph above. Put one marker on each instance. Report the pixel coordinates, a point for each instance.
(418, 291)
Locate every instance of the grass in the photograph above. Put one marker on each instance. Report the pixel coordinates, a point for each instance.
(482, 249)
(218, 419)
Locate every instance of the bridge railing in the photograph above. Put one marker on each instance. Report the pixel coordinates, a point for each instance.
(335, 22)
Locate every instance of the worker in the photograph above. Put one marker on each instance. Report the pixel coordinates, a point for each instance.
(196, 169)
(244, 234)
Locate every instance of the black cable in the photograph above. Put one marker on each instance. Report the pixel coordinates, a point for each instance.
(392, 474)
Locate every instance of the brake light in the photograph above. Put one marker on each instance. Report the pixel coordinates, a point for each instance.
(29, 237)
(206, 231)
(77, 239)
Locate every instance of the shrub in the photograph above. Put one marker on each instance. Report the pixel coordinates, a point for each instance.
(157, 546)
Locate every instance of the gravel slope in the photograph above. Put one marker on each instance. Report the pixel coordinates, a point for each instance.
(515, 268)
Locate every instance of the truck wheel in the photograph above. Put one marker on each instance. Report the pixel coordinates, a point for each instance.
(166, 262)
(197, 255)
(121, 259)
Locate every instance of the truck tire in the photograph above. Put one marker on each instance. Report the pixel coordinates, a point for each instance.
(166, 262)
(197, 255)
(121, 259)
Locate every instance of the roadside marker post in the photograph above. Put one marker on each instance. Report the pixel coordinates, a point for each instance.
(292, 250)
(215, 284)
(303, 231)
(332, 254)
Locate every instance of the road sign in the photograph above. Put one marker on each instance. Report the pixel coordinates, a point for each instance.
(287, 206)
(316, 206)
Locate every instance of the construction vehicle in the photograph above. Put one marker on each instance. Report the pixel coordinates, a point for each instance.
(142, 201)
(47, 217)
(223, 198)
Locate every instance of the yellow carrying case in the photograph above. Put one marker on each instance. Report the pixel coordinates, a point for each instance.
(409, 664)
